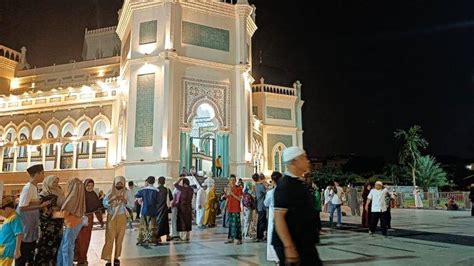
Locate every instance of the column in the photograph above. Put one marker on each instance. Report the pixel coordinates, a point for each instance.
(222, 147)
(43, 155)
(58, 156)
(74, 155)
(107, 153)
(184, 150)
(28, 155)
(91, 146)
(15, 157)
(2, 151)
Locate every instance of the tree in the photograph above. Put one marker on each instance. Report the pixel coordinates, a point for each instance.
(327, 175)
(430, 173)
(412, 142)
(398, 174)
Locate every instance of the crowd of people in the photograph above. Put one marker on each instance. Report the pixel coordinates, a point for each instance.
(54, 227)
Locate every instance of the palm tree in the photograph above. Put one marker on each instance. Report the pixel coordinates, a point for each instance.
(412, 142)
(430, 173)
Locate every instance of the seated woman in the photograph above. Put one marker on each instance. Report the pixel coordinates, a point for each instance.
(452, 205)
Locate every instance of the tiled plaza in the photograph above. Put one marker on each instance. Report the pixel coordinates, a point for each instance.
(420, 237)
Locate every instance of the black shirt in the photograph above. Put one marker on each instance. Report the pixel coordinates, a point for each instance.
(294, 196)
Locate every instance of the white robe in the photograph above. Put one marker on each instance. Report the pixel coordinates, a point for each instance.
(271, 254)
(200, 201)
(418, 200)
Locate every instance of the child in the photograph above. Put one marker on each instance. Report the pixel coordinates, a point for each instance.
(11, 233)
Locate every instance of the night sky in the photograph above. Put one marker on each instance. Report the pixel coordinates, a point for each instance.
(367, 67)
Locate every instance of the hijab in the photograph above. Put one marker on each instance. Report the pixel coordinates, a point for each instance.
(75, 201)
(92, 200)
(116, 204)
(49, 188)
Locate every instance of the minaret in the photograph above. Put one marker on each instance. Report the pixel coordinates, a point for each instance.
(176, 55)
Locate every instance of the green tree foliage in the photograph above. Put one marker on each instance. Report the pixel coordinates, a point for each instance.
(398, 174)
(327, 175)
(429, 172)
(411, 141)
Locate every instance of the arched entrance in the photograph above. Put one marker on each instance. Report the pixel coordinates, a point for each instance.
(203, 140)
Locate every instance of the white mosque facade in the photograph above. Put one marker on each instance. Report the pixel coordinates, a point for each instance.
(169, 87)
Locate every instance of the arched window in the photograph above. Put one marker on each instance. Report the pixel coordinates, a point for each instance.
(100, 129)
(23, 152)
(38, 133)
(277, 154)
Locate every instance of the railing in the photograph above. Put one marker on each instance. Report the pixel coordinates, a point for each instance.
(101, 30)
(274, 89)
(9, 53)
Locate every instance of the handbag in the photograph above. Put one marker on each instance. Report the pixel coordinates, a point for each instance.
(85, 220)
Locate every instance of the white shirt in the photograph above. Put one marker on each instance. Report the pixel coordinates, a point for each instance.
(335, 198)
(377, 198)
(28, 194)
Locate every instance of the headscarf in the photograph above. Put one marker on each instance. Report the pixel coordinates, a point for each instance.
(75, 201)
(116, 204)
(49, 188)
(92, 200)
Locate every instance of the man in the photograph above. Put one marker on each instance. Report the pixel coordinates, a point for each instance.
(218, 166)
(28, 208)
(295, 234)
(376, 198)
(147, 232)
(134, 190)
(260, 192)
(200, 205)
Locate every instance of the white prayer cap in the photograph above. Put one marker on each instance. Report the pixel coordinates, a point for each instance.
(379, 183)
(200, 173)
(292, 153)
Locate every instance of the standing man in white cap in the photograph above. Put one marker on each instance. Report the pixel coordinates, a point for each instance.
(296, 234)
(376, 197)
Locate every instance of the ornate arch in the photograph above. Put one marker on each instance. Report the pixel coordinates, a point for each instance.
(277, 151)
(99, 118)
(198, 91)
(212, 104)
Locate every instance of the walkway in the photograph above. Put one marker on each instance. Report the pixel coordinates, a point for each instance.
(421, 237)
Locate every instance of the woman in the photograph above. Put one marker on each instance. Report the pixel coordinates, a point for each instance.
(164, 204)
(211, 206)
(234, 195)
(185, 208)
(51, 224)
(116, 202)
(247, 213)
(271, 254)
(336, 203)
(354, 201)
(93, 204)
(73, 209)
(366, 213)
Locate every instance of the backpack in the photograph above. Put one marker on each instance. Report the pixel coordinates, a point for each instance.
(248, 201)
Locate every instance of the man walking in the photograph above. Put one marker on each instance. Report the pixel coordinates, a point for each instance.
(295, 235)
(379, 208)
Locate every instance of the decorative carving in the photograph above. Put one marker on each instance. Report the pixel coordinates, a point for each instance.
(198, 91)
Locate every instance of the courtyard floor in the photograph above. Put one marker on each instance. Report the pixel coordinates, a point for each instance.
(420, 237)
